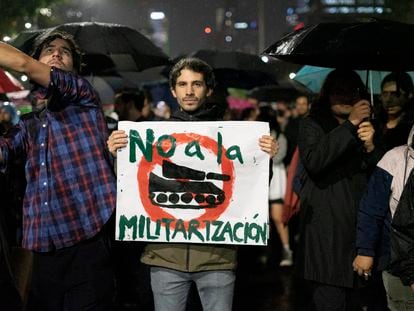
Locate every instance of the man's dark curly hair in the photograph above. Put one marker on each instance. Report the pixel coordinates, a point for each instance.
(47, 37)
(196, 65)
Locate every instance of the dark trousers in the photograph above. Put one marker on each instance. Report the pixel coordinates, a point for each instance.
(333, 298)
(133, 285)
(77, 278)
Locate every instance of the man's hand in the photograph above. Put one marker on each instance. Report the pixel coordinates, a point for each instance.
(360, 111)
(412, 287)
(366, 134)
(363, 265)
(269, 145)
(118, 139)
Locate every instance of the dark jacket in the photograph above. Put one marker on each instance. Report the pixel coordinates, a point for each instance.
(10, 298)
(402, 235)
(396, 136)
(335, 177)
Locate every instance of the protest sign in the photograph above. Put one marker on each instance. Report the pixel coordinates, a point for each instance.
(193, 182)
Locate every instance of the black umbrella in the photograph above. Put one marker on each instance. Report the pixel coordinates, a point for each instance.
(150, 76)
(284, 91)
(25, 40)
(372, 45)
(108, 47)
(236, 69)
(108, 86)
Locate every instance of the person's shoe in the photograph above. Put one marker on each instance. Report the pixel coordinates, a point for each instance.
(286, 258)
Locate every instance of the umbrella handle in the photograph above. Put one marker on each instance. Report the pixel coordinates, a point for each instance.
(372, 92)
(371, 95)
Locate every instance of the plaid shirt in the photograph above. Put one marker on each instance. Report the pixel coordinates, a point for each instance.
(71, 185)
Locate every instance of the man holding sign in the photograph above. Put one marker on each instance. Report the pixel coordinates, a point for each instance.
(174, 266)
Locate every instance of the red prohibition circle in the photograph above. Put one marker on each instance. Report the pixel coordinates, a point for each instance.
(145, 168)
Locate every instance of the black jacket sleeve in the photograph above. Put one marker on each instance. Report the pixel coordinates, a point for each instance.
(319, 150)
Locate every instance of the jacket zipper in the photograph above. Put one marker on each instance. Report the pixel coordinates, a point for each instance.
(188, 258)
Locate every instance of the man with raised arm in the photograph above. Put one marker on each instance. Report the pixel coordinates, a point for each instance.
(70, 192)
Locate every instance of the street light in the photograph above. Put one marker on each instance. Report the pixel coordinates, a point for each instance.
(28, 25)
(241, 25)
(157, 15)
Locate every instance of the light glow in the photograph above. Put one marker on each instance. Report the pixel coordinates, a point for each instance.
(265, 59)
(156, 16)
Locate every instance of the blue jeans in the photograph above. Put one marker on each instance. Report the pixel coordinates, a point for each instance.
(171, 287)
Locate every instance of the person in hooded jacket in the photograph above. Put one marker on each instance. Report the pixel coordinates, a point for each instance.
(377, 209)
(175, 266)
(337, 150)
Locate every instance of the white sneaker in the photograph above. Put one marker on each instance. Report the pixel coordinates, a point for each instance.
(286, 258)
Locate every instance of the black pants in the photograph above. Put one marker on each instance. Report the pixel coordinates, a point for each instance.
(333, 298)
(76, 278)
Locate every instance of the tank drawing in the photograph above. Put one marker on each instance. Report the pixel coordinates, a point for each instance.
(185, 188)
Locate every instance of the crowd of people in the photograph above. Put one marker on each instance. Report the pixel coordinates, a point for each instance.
(352, 170)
